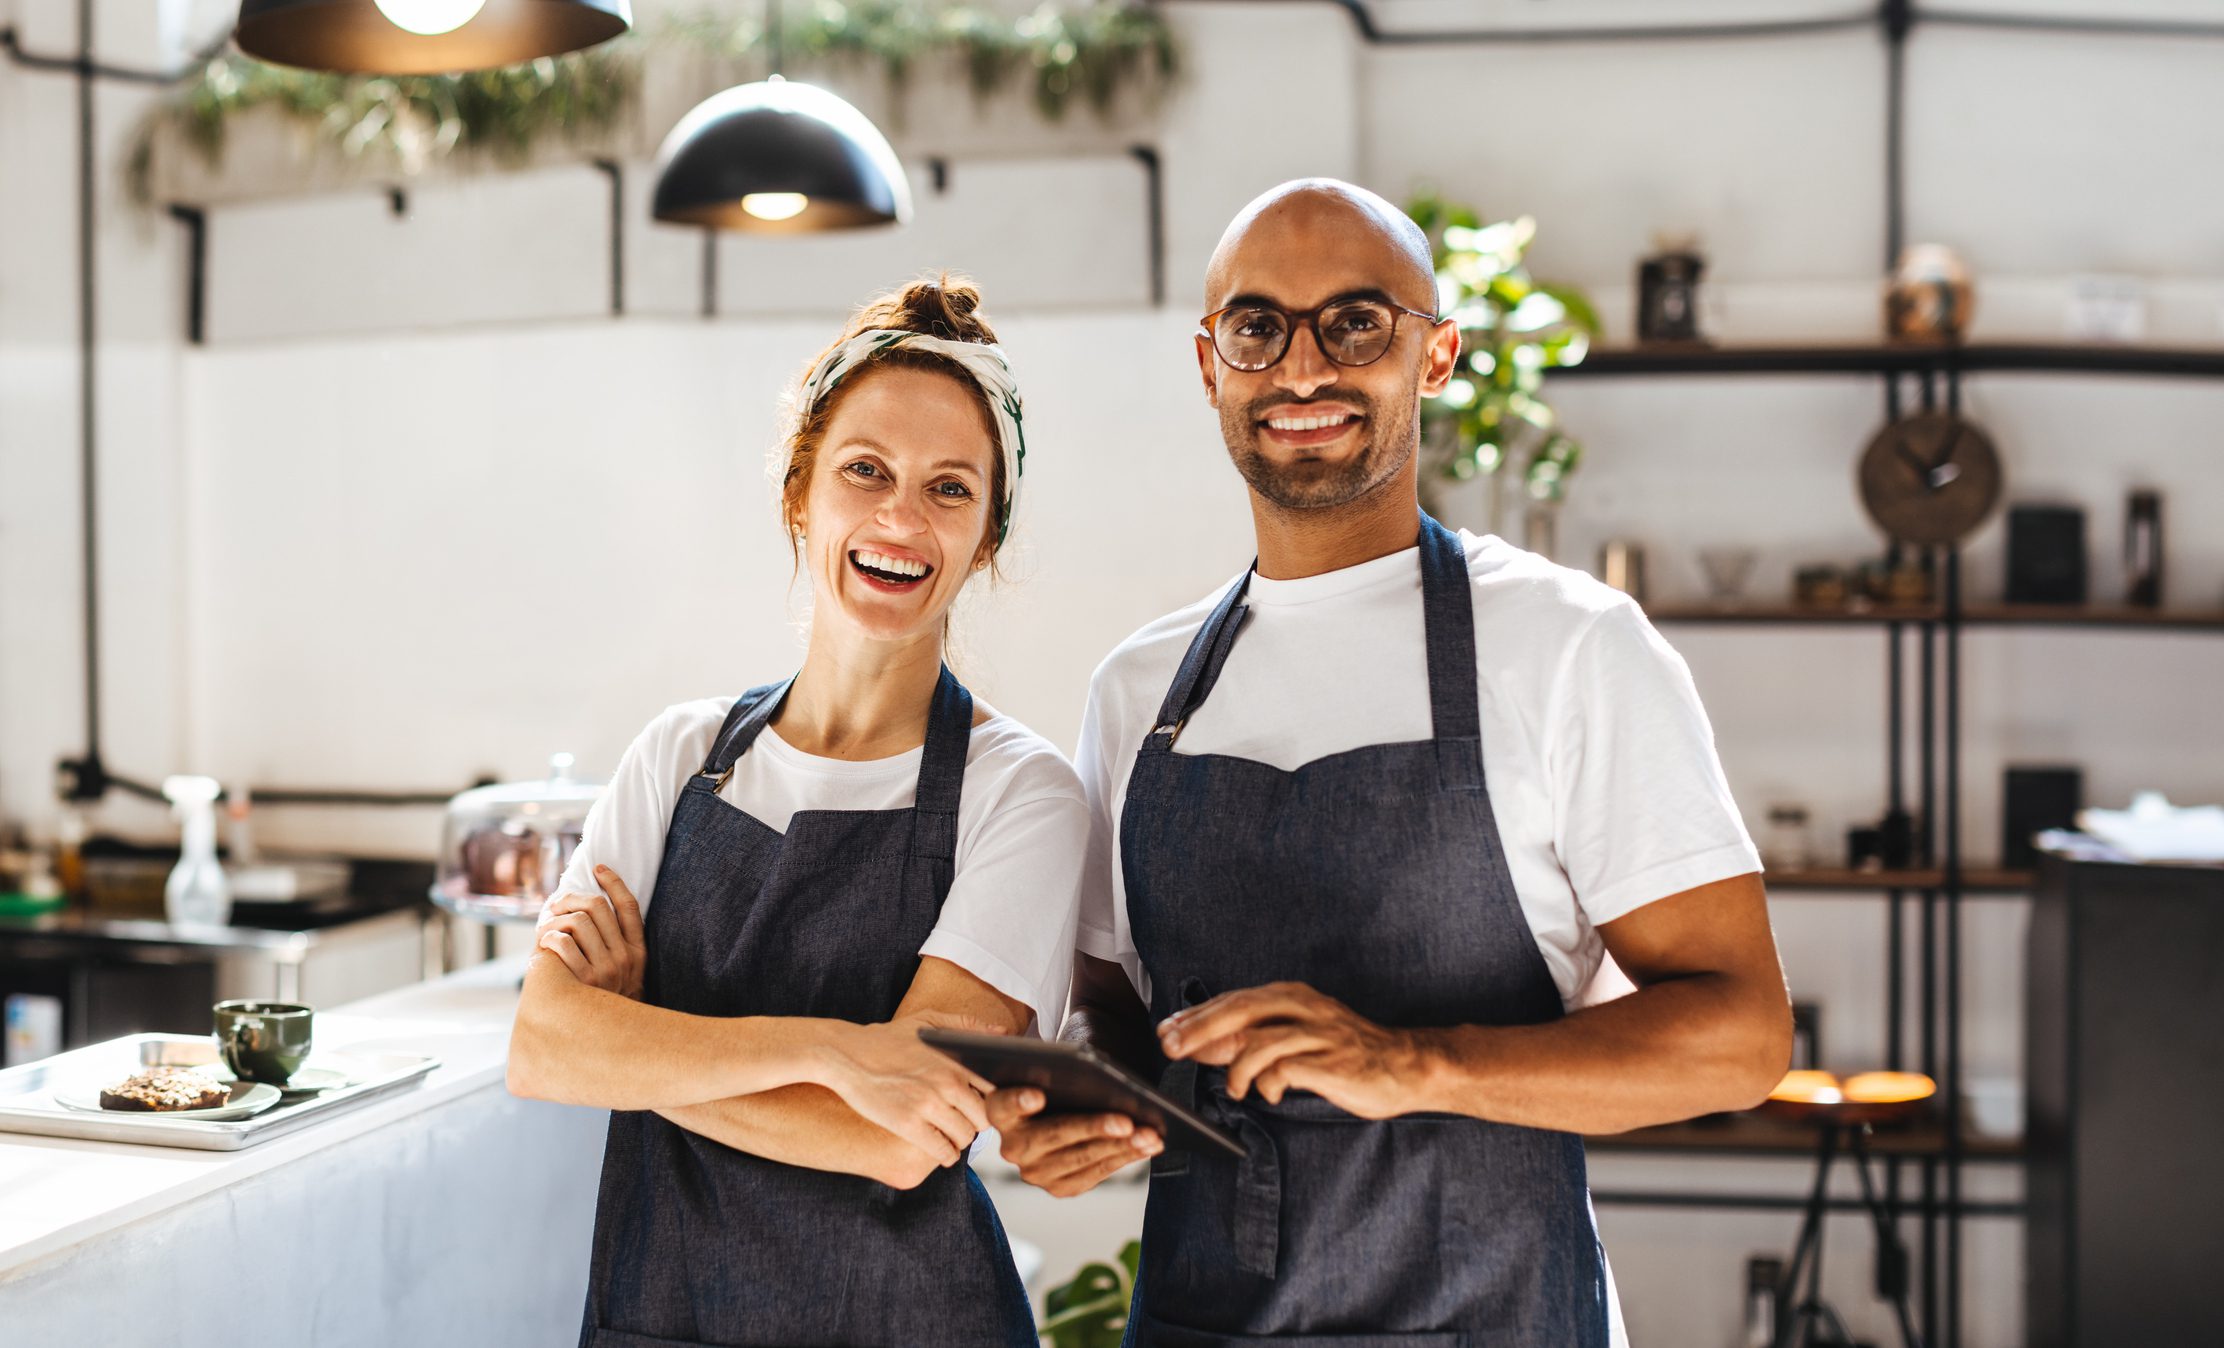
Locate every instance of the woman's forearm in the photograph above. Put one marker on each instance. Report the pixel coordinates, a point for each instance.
(807, 1126)
(579, 1045)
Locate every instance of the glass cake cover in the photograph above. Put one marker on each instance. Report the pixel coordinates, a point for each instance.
(504, 847)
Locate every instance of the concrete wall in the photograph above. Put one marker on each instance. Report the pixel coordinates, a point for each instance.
(421, 509)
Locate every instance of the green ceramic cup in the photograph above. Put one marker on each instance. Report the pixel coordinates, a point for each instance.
(263, 1041)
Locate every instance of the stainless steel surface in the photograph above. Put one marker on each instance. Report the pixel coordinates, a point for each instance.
(81, 923)
(27, 1103)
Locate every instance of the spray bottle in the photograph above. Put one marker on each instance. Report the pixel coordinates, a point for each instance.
(197, 892)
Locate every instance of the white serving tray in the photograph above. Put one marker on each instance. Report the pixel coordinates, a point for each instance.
(27, 1103)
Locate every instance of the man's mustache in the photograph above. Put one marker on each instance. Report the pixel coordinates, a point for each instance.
(1258, 410)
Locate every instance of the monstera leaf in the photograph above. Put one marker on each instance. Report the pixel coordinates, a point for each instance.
(1091, 1311)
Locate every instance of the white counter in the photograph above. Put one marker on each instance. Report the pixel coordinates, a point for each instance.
(450, 1213)
(453, 1213)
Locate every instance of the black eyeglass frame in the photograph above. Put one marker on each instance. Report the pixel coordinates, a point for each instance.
(1309, 318)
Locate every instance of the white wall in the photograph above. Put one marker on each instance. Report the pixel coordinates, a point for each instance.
(422, 510)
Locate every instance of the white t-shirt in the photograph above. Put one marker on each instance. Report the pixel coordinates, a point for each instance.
(1599, 760)
(1023, 827)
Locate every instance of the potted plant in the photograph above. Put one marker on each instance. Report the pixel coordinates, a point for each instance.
(1513, 328)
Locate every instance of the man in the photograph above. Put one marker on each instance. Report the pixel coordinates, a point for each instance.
(1368, 821)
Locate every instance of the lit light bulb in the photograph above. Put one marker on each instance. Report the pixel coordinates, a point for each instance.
(775, 205)
(430, 18)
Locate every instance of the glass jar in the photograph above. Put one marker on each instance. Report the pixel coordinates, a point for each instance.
(1787, 844)
(504, 847)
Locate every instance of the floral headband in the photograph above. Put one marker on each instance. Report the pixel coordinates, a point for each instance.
(983, 360)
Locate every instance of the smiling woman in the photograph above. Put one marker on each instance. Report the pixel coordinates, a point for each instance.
(778, 889)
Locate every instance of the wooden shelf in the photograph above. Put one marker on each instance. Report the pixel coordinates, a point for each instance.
(1972, 615)
(1757, 1134)
(1831, 879)
(1879, 358)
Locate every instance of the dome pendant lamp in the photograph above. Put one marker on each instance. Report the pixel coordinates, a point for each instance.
(778, 157)
(422, 37)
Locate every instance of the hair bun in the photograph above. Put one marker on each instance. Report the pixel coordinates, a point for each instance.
(944, 306)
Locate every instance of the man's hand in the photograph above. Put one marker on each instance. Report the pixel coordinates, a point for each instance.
(1286, 1036)
(599, 939)
(1066, 1154)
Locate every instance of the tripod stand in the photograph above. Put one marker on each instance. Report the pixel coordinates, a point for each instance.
(1798, 1316)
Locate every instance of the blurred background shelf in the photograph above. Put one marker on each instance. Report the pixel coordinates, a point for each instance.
(1877, 358)
(1757, 1134)
(1827, 880)
(1972, 615)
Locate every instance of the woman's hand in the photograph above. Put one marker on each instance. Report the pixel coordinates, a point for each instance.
(599, 939)
(891, 1079)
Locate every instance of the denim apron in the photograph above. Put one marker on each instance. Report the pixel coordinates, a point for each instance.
(697, 1243)
(1377, 876)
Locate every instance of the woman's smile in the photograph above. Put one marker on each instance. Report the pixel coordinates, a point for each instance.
(890, 571)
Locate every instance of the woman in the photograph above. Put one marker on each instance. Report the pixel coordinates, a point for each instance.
(822, 866)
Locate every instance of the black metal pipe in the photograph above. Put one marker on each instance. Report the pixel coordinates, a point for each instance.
(1953, 895)
(710, 272)
(1154, 188)
(1896, 18)
(1362, 17)
(88, 380)
(2069, 24)
(276, 795)
(615, 171)
(195, 221)
(84, 66)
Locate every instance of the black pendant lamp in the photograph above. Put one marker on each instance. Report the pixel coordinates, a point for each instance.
(778, 157)
(422, 37)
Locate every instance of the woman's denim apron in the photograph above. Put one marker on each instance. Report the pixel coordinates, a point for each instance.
(1376, 876)
(697, 1243)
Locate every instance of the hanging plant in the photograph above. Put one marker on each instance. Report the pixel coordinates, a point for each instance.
(1513, 328)
(411, 119)
(1089, 51)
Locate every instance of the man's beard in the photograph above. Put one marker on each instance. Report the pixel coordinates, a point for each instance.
(1314, 484)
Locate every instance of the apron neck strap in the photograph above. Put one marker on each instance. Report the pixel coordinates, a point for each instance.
(934, 829)
(1448, 619)
(751, 712)
(1200, 666)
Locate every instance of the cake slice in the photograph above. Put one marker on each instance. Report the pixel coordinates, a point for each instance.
(165, 1089)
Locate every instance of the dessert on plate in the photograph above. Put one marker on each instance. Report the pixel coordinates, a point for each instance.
(164, 1090)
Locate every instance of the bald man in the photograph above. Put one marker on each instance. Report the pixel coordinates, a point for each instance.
(1368, 820)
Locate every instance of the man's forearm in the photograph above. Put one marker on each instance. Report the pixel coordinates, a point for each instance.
(806, 1126)
(1672, 1050)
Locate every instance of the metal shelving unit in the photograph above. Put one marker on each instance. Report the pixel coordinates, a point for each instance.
(1931, 892)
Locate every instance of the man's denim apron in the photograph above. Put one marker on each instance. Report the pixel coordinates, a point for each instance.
(1377, 876)
(697, 1243)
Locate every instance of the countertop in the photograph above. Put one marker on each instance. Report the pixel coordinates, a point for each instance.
(60, 1192)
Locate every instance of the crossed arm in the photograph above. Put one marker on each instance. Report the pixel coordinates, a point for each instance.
(825, 1094)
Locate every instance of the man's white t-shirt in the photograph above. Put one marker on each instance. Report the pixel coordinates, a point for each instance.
(1599, 759)
(1023, 827)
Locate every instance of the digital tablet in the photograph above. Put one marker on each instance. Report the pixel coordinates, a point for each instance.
(1076, 1079)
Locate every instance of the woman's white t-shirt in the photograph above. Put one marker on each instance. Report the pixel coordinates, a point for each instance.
(1599, 759)
(1023, 827)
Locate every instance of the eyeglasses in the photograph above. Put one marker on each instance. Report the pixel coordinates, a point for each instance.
(1252, 337)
